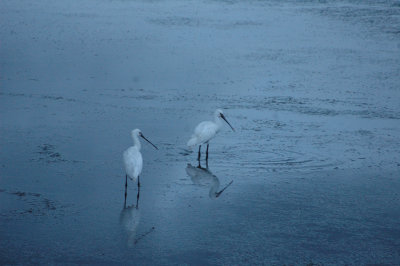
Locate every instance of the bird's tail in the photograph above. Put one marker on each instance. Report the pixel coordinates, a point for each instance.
(192, 142)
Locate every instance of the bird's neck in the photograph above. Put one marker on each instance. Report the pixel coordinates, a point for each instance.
(218, 121)
(136, 142)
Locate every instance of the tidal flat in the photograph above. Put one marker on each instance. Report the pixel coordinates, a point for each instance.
(312, 171)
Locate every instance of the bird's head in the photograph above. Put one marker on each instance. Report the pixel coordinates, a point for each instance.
(138, 133)
(219, 114)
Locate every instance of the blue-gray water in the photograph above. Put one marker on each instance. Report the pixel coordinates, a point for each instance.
(312, 89)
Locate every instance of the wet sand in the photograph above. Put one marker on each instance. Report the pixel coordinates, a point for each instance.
(311, 88)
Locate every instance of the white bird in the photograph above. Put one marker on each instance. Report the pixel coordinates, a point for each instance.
(133, 160)
(207, 130)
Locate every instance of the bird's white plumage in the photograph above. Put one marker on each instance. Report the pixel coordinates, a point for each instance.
(203, 133)
(132, 157)
(206, 130)
(133, 162)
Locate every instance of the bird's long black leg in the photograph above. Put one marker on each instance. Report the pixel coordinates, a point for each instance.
(138, 182)
(207, 153)
(126, 189)
(198, 156)
(137, 198)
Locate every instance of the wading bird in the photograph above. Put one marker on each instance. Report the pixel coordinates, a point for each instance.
(207, 130)
(133, 160)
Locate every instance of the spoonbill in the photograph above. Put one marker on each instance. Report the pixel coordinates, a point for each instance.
(207, 130)
(133, 160)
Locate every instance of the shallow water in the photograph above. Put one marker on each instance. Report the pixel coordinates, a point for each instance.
(312, 89)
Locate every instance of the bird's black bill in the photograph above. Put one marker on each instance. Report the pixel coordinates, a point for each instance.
(222, 190)
(223, 117)
(149, 141)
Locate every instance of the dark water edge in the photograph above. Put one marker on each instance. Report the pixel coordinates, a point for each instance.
(311, 87)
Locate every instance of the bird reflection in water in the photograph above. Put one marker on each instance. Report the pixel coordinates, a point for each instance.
(129, 219)
(203, 176)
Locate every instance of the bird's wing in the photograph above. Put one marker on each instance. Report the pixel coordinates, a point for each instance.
(133, 162)
(205, 131)
(139, 162)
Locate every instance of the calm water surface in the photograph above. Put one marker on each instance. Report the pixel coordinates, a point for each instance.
(312, 89)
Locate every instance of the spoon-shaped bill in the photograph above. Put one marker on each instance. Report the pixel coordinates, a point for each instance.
(223, 117)
(148, 141)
